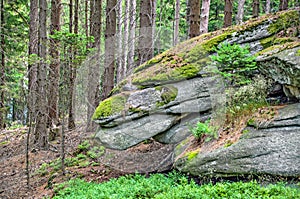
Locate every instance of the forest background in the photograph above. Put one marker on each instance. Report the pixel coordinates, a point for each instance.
(60, 58)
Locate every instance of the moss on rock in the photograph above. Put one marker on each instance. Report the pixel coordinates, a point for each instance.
(168, 94)
(285, 20)
(111, 106)
(278, 48)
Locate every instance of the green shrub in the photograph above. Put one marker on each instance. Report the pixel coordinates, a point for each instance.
(202, 129)
(171, 186)
(235, 63)
(248, 97)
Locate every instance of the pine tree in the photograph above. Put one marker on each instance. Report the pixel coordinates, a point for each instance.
(194, 18)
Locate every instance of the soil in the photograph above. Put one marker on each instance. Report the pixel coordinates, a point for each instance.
(13, 180)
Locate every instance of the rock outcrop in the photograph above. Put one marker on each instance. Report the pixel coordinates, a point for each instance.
(283, 67)
(271, 149)
(176, 89)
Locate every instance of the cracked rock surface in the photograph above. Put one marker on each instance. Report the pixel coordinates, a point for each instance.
(273, 150)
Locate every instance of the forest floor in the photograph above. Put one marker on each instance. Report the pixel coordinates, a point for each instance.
(13, 180)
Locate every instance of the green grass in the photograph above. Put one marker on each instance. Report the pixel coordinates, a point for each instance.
(173, 186)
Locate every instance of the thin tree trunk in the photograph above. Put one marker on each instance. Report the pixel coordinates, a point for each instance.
(283, 5)
(188, 15)
(41, 133)
(153, 25)
(268, 6)
(176, 25)
(73, 71)
(240, 12)
(132, 26)
(126, 38)
(145, 50)
(204, 16)
(119, 38)
(53, 87)
(109, 62)
(94, 69)
(86, 20)
(2, 70)
(255, 9)
(228, 13)
(194, 25)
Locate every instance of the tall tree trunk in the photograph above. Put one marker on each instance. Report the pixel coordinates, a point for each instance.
(176, 23)
(255, 8)
(132, 26)
(94, 69)
(2, 70)
(53, 78)
(119, 58)
(283, 5)
(268, 6)
(86, 20)
(145, 50)
(188, 15)
(194, 25)
(73, 71)
(33, 52)
(109, 62)
(240, 12)
(228, 13)
(204, 16)
(41, 134)
(126, 38)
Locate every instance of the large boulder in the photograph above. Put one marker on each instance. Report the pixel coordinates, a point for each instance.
(176, 89)
(284, 68)
(271, 149)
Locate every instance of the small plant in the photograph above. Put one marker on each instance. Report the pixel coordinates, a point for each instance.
(228, 143)
(96, 152)
(202, 129)
(235, 63)
(84, 146)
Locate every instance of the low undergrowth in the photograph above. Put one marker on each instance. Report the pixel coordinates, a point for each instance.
(171, 186)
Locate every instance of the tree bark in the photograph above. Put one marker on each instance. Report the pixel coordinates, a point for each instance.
(283, 5)
(204, 16)
(132, 39)
(146, 50)
(119, 58)
(240, 12)
(94, 69)
(126, 38)
(73, 72)
(268, 6)
(194, 25)
(33, 52)
(109, 62)
(176, 23)
(41, 134)
(255, 8)
(228, 13)
(2, 70)
(54, 75)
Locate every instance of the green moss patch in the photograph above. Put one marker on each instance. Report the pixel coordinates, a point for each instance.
(111, 106)
(278, 48)
(168, 94)
(284, 21)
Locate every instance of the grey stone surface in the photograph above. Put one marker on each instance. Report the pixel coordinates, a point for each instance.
(144, 99)
(182, 130)
(131, 133)
(274, 150)
(284, 68)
